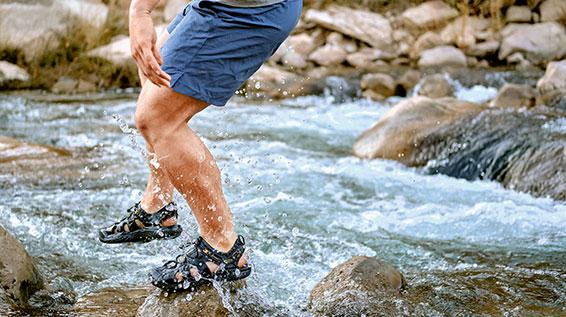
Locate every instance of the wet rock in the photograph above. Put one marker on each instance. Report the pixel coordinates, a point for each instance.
(112, 302)
(442, 56)
(381, 84)
(205, 302)
(409, 80)
(368, 27)
(357, 287)
(553, 10)
(426, 41)
(400, 131)
(483, 49)
(521, 150)
(19, 277)
(429, 14)
(515, 96)
(341, 88)
(11, 72)
(13, 150)
(539, 43)
(518, 14)
(45, 22)
(328, 55)
(435, 86)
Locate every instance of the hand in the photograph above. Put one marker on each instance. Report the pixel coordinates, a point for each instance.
(144, 50)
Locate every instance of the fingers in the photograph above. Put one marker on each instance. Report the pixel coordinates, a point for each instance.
(149, 64)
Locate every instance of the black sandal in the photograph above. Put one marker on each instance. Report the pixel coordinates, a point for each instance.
(175, 276)
(140, 226)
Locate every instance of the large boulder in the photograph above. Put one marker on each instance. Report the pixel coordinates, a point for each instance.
(435, 86)
(515, 96)
(442, 56)
(371, 28)
(429, 14)
(11, 72)
(19, 277)
(399, 132)
(553, 10)
(45, 22)
(520, 149)
(539, 43)
(361, 286)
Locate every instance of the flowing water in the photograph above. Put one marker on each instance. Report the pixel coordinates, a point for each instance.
(302, 200)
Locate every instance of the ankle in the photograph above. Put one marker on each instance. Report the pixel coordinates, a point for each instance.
(221, 241)
(152, 205)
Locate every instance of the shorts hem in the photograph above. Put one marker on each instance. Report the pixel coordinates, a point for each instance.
(188, 91)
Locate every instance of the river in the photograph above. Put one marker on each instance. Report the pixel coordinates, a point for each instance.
(302, 200)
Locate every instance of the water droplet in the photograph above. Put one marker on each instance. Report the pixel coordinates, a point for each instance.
(220, 218)
(295, 231)
(257, 85)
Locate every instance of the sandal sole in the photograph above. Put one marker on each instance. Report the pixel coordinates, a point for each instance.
(244, 273)
(142, 235)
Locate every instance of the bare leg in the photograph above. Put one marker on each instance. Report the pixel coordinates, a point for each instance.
(161, 116)
(159, 190)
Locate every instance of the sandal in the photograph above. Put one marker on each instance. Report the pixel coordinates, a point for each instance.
(175, 276)
(140, 226)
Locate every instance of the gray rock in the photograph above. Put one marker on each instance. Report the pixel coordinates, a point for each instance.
(435, 86)
(539, 43)
(515, 96)
(442, 56)
(371, 28)
(19, 277)
(357, 287)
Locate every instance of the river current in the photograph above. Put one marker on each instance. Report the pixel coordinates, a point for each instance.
(303, 202)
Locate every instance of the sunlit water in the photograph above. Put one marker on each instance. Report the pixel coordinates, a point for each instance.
(303, 202)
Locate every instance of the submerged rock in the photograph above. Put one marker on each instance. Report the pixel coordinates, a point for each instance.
(19, 277)
(360, 286)
(400, 131)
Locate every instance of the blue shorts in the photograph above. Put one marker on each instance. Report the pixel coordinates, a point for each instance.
(214, 48)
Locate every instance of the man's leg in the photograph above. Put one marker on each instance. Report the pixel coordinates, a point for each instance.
(162, 116)
(159, 190)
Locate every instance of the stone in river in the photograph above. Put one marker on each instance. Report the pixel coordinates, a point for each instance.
(435, 86)
(515, 96)
(442, 56)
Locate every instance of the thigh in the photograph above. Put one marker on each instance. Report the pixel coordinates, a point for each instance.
(163, 107)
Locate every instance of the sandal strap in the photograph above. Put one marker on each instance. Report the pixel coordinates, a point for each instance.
(137, 214)
(222, 258)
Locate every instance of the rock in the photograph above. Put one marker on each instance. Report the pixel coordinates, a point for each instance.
(338, 39)
(464, 31)
(65, 85)
(409, 80)
(426, 41)
(302, 44)
(342, 89)
(358, 287)
(555, 99)
(368, 27)
(553, 10)
(12, 72)
(293, 60)
(435, 86)
(554, 78)
(272, 82)
(538, 42)
(400, 131)
(19, 277)
(519, 149)
(365, 57)
(328, 55)
(172, 8)
(46, 22)
(518, 14)
(429, 14)
(442, 56)
(483, 49)
(112, 302)
(515, 96)
(370, 94)
(13, 150)
(381, 84)
(206, 302)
